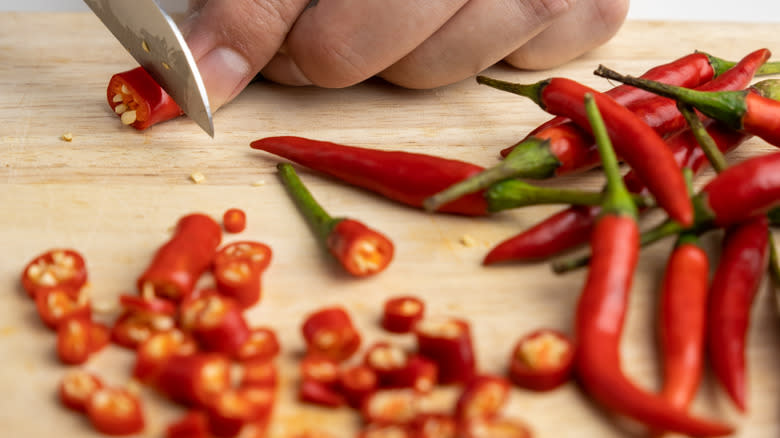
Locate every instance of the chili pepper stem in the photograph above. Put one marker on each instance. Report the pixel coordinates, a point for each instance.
(531, 158)
(531, 91)
(707, 144)
(319, 219)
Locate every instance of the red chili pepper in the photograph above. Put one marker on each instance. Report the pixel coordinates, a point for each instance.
(234, 220)
(193, 424)
(447, 342)
(434, 425)
(602, 307)
(682, 317)
(542, 360)
(216, 322)
(482, 398)
(395, 368)
(377, 430)
(194, 379)
(386, 360)
(56, 304)
(319, 378)
(641, 147)
(356, 383)
(318, 393)
(59, 268)
(77, 387)
(261, 345)
(152, 353)
(404, 177)
(141, 318)
(115, 411)
(743, 261)
(391, 406)
(320, 369)
(497, 427)
(329, 332)
(238, 269)
(139, 100)
(179, 263)
(235, 408)
(401, 313)
(73, 340)
(262, 373)
(362, 251)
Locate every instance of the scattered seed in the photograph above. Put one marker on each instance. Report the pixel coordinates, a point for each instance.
(128, 117)
(67, 136)
(145, 46)
(197, 177)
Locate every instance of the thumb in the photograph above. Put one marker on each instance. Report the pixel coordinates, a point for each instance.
(231, 40)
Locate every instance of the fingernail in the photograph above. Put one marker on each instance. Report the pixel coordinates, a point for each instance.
(224, 71)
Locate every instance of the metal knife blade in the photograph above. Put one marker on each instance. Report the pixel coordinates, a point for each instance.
(153, 39)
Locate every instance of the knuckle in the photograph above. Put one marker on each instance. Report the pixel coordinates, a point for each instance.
(330, 61)
(546, 9)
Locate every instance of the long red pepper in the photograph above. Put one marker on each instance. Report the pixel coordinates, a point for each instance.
(682, 320)
(602, 306)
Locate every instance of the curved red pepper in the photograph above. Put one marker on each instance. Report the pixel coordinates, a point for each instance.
(542, 360)
(61, 268)
(405, 177)
(139, 100)
(743, 261)
(179, 263)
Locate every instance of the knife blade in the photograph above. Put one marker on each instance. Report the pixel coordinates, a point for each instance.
(151, 36)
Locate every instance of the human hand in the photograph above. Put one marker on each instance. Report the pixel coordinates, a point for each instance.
(414, 44)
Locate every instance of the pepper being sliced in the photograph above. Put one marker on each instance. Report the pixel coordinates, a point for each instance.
(139, 100)
(238, 269)
(447, 342)
(542, 360)
(115, 411)
(77, 387)
(360, 250)
(61, 268)
(329, 332)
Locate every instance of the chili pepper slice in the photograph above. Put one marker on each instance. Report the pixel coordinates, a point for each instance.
(386, 360)
(329, 332)
(259, 372)
(194, 379)
(262, 344)
(401, 176)
(401, 313)
(216, 322)
(319, 393)
(638, 144)
(115, 411)
(362, 251)
(76, 387)
(139, 100)
(447, 342)
(193, 424)
(152, 353)
(482, 398)
(149, 306)
(99, 336)
(320, 369)
(496, 428)
(235, 408)
(743, 260)
(178, 264)
(602, 306)
(542, 360)
(61, 268)
(238, 269)
(391, 406)
(375, 430)
(234, 220)
(54, 305)
(434, 425)
(356, 383)
(73, 344)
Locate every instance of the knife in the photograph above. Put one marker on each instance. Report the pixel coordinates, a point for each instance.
(153, 39)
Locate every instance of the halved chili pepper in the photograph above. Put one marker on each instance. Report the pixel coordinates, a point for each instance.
(262, 344)
(641, 147)
(56, 304)
(744, 110)
(602, 306)
(61, 268)
(482, 398)
(139, 100)
(356, 383)
(216, 322)
(115, 411)
(76, 387)
(329, 332)
(259, 372)
(235, 408)
(497, 427)
(361, 250)
(194, 379)
(743, 261)
(152, 353)
(447, 342)
(682, 318)
(73, 340)
(401, 313)
(391, 406)
(434, 425)
(193, 424)
(542, 360)
(404, 177)
(234, 220)
(178, 264)
(238, 269)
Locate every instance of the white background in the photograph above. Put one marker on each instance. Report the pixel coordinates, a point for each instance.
(704, 10)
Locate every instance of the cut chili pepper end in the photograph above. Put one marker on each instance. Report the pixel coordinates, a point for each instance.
(114, 411)
(77, 387)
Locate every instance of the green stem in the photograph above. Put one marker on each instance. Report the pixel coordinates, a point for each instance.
(707, 144)
(531, 91)
(531, 158)
(769, 88)
(515, 193)
(726, 106)
(720, 66)
(317, 218)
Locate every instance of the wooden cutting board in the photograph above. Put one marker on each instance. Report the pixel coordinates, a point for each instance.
(114, 193)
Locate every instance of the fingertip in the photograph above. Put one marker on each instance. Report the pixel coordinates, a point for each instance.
(225, 72)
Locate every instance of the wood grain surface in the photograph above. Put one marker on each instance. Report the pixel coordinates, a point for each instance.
(114, 193)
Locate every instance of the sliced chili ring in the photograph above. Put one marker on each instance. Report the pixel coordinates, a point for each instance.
(542, 360)
(194, 379)
(401, 313)
(139, 100)
(193, 424)
(152, 353)
(233, 409)
(361, 250)
(263, 344)
(259, 372)
(391, 406)
(73, 340)
(61, 268)
(147, 304)
(447, 342)
(99, 336)
(380, 430)
(434, 425)
(356, 383)
(76, 387)
(420, 373)
(238, 270)
(234, 220)
(219, 324)
(329, 332)
(320, 369)
(131, 328)
(482, 398)
(387, 361)
(259, 254)
(320, 393)
(115, 411)
(57, 304)
(495, 428)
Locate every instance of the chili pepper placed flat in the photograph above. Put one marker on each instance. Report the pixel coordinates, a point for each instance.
(602, 305)
(360, 250)
(641, 147)
(743, 260)
(139, 100)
